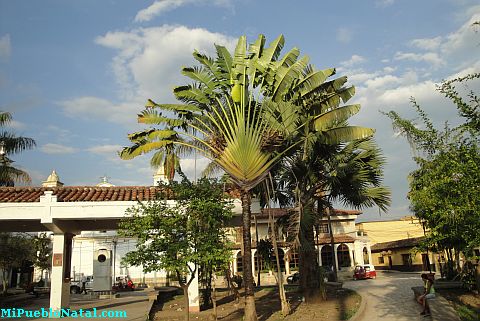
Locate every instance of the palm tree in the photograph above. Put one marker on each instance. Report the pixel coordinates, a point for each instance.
(243, 135)
(11, 144)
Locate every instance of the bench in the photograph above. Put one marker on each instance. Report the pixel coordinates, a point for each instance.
(440, 308)
(41, 290)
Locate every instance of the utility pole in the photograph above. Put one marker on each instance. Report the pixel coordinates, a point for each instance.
(114, 241)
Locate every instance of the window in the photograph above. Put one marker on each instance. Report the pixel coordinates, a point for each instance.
(293, 260)
(343, 255)
(323, 228)
(239, 262)
(381, 260)
(326, 254)
(407, 259)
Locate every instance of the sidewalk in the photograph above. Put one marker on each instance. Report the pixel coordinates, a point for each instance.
(129, 306)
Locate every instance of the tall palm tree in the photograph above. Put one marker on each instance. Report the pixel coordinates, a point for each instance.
(348, 173)
(12, 144)
(245, 112)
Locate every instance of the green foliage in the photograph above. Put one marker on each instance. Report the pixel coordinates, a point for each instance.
(9, 175)
(444, 193)
(444, 188)
(15, 249)
(42, 251)
(182, 236)
(265, 250)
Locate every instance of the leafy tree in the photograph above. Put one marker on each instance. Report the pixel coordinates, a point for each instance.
(12, 144)
(15, 249)
(42, 252)
(350, 173)
(245, 112)
(182, 237)
(444, 189)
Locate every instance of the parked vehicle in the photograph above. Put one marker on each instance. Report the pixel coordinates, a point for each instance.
(123, 283)
(294, 278)
(366, 271)
(76, 285)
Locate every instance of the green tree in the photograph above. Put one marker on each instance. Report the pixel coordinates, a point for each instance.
(350, 174)
(443, 190)
(11, 144)
(15, 249)
(182, 237)
(246, 111)
(42, 252)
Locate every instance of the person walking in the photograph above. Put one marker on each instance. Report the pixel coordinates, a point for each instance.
(84, 283)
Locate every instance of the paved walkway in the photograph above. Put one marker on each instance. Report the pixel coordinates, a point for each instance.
(389, 297)
(136, 306)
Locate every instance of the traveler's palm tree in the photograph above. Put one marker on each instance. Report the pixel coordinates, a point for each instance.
(12, 144)
(244, 112)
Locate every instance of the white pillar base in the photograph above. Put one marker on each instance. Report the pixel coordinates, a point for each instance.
(60, 285)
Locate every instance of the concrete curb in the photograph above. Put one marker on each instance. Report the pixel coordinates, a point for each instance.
(361, 309)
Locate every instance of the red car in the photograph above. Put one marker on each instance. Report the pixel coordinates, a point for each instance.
(366, 271)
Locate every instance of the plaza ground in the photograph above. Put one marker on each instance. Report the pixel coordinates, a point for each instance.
(388, 298)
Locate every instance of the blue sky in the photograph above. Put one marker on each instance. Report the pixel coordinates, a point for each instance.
(75, 73)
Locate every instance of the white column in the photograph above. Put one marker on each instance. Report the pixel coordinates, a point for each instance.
(193, 296)
(320, 254)
(350, 253)
(19, 277)
(335, 247)
(287, 264)
(60, 277)
(253, 262)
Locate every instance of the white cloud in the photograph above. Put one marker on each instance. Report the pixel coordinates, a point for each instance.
(99, 109)
(161, 6)
(384, 3)
(5, 47)
(354, 60)
(344, 35)
(429, 57)
(188, 166)
(148, 61)
(427, 43)
(105, 149)
(146, 65)
(157, 8)
(51, 148)
(15, 124)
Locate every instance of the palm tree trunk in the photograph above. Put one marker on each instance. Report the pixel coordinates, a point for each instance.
(309, 271)
(250, 311)
(258, 256)
(332, 245)
(286, 310)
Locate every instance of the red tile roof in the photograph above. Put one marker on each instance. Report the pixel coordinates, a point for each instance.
(278, 212)
(79, 193)
(404, 243)
(339, 238)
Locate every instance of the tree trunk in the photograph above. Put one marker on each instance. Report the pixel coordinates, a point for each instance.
(286, 310)
(250, 311)
(332, 245)
(308, 265)
(214, 298)
(187, 303)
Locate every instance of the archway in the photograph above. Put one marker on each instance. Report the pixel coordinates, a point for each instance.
(326, 254)
(343, 255)
(366, 259)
